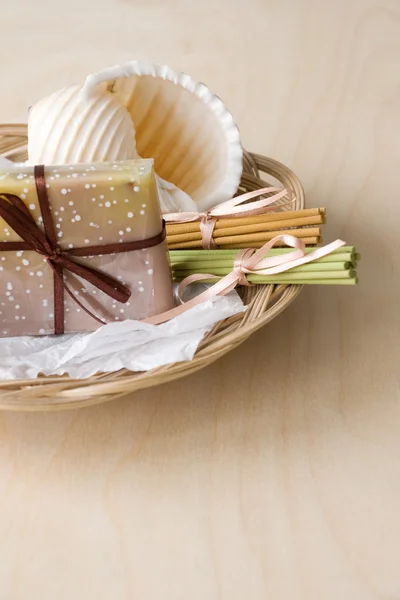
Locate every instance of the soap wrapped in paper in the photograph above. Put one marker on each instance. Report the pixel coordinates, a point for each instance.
(91, 206)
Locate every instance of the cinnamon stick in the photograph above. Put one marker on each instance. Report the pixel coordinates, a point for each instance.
(248, 239)
(309, 241)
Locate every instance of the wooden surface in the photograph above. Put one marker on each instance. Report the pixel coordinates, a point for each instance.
(275, 473)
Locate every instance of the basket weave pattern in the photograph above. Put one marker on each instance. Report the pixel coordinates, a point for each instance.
(264, 303)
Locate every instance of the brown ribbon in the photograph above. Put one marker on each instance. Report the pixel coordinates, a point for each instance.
(18, 217)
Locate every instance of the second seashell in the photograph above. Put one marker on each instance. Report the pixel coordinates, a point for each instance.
(186, 129)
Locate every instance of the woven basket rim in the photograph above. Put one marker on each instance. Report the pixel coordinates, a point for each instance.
(264, 302)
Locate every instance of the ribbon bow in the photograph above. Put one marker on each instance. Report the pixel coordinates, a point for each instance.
(15, 213)
(230, 208)
(249, 261)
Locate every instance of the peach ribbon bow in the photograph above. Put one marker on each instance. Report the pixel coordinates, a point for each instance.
(230, 208)
(249, 261)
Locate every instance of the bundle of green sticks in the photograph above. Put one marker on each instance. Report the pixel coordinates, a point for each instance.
(337, 268)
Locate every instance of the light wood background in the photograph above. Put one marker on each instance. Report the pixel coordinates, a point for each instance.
(276, 472)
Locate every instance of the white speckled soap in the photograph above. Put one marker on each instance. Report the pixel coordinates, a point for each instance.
(97, 204)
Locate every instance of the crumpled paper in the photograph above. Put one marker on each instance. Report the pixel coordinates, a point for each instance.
(131, 345)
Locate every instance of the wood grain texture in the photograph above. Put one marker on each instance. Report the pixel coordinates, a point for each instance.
(275, 473)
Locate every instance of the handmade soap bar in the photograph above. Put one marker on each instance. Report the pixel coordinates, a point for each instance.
(101, 220)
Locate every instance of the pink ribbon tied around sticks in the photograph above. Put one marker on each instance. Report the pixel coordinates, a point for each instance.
(230, 208)
(247, 261)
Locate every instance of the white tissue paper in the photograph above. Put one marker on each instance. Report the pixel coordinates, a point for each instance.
(131, 345)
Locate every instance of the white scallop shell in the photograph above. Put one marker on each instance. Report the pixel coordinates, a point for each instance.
(182, 125)
(68, 127)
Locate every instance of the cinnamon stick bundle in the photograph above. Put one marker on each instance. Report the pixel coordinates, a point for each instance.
(223, 222)
(253, 231)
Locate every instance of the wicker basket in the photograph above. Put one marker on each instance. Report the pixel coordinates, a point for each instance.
(264, 303)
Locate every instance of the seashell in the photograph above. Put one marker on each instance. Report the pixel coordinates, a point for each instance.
(181, 124)
(69, 127)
